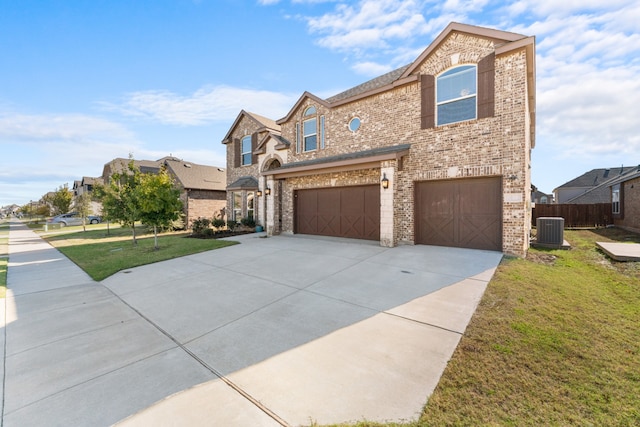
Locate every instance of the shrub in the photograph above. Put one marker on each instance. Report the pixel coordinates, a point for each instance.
(218, 223)
(231, 224)
(200, 225)
(248, 222)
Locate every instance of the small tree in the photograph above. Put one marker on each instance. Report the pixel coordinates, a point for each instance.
(120, 198)
(159, 201)
(61, 200)
(83, 207)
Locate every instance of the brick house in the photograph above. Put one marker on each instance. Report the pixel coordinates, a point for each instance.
(590, 187)
(436, 152)
(625, 200)
(202, 188)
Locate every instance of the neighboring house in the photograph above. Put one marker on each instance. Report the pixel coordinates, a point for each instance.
(85, 186)
(589, 187)
(539, 197)
(202, 188)
(625, 200)
(120, 165)
(436, 152)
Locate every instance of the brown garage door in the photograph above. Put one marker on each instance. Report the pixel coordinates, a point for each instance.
(352, 212)
(465, 213)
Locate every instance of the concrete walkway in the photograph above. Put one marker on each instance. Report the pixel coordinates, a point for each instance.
(275, 331)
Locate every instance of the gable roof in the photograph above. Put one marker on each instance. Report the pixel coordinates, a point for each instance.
(601, 192)
(498, 36)
(197, 177)
(596, 177)
(263, 123)
(281, 143)
(631, 174)
(300, 100)
(505, 42)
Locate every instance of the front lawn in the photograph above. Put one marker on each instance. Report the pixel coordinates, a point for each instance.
(102, 255)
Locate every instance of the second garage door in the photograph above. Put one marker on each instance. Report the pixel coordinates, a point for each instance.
(465, 213)
(352, 212)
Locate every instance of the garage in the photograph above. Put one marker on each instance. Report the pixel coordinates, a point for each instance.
(352, 212)
(464, 213)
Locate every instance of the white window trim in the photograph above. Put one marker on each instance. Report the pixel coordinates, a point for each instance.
(305, 136)
(243, 153)
(615, 199)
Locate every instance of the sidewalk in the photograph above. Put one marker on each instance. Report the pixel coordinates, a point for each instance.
(277, 331)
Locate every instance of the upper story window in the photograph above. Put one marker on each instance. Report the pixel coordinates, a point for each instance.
(310, 130)
(456, 91)
(245, 150)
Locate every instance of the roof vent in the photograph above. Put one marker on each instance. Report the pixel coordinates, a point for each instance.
(187, 165)
(606, 173)
(222, 170)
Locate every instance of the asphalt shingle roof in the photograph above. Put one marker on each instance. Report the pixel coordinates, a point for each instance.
(372, 84)
(348, 156)
(197, 177)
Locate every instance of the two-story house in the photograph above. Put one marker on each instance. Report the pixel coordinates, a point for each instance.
(437, 152)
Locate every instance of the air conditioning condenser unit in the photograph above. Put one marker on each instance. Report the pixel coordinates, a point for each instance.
(550, 231)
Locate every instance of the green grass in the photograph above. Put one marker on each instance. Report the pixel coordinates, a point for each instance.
(101, 256)
(4, 256)
(555, 341)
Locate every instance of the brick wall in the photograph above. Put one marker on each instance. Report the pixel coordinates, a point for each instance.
(204, 204)
(244, 127)
(495, 146)
(630, 206)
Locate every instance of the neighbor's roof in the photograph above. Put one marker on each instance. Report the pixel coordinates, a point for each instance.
(601, 193)
(197, 177)
(596, 177)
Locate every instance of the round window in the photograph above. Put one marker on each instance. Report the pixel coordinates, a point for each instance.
(354, 124)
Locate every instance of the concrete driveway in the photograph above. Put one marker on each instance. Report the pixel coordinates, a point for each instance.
(283, 330)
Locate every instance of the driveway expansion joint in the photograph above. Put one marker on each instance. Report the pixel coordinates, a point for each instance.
(195, 357)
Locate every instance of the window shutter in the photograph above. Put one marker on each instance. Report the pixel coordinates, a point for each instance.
(428, 101)
(486, 86)
(236, 152)
(254, 145)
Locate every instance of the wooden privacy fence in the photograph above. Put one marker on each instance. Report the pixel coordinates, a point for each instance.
(595, 215)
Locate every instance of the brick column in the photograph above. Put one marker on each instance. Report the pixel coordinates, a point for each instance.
(270, 206)
(387, 170)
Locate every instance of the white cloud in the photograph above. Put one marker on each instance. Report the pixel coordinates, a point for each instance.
(64, 147)
(58, 127)
(370, 68)
(369, 24)
(206, 105)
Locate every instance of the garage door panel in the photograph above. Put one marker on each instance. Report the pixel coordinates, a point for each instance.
(460, 213)
(352, 212)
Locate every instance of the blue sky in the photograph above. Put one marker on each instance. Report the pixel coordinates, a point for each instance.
(83, 82)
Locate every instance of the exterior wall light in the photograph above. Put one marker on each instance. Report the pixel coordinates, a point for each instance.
(267, 191)
(385, 181)
(259, 193)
